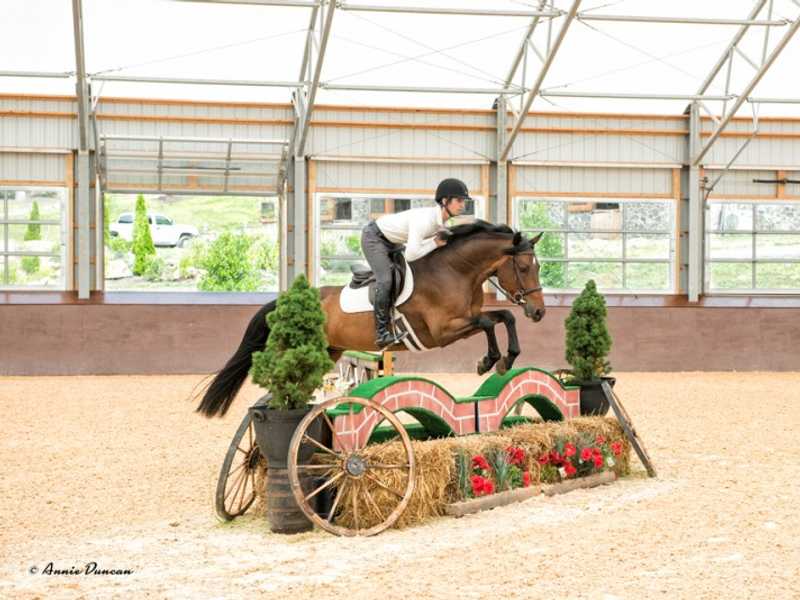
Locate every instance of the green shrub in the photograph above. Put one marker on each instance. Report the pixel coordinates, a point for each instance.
(154, 268)
(185, 266)
(354, 244)
(551, 274)
(142, 240)
(227, 265)
(327, 248)
(106, 217)
(265, 255)
(588, 340)
(31, 264)
(296, 355)
(118, 246)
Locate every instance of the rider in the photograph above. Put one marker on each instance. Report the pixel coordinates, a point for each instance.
(418, 229)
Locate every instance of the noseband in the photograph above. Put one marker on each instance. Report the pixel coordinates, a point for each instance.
(518, 297)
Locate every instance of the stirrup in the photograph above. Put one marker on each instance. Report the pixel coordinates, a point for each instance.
(397, 338)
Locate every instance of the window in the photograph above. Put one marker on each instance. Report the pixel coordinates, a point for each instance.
(752, 246)
(344, 210)
(341, 219)
(202, 243)
(32, 238)
(624, 245)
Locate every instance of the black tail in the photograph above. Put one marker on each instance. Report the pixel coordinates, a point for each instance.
(224, 387)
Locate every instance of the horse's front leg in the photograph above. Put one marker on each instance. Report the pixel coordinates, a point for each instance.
(507, 318)
(493, 351)
(460, 328)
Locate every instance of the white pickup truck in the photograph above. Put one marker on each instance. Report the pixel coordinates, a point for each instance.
(164, 230)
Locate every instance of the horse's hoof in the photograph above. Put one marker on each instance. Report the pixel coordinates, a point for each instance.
(501, 367)
(481, 368)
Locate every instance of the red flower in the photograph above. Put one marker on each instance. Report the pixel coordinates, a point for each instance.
(544, 459)
(479, 462)
(569, 469)
(586, 454)
(526, 479)
(616, 448)
(598, 461)
(488, 487)
(597, 452)
(556, 458)
(569, 449)
(600, 439)
(516, 456)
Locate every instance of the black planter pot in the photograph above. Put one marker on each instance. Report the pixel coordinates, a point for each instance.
(274, 429)
(593, 400)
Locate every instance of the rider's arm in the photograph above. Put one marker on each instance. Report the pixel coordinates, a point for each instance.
(418, 244)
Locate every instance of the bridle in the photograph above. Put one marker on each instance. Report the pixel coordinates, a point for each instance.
(518, 297)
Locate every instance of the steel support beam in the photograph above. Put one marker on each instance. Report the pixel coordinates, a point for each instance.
(430, 10)
(296, 220)
(682, 20)
(302, 135)
(696, 210)
(735, 40)
(757, 100)
(84, 170)
(36, 74)
(748, 90)
(521, 51)
(417, 89)
(500, 167)
(195, 81)
(284, 3)
(199, 140)
(309, 37)
(612, 95)
(534, 91)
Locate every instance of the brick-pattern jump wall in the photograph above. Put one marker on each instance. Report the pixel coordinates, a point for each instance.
(460, 417)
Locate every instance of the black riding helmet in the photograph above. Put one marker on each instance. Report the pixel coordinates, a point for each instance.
(451, 188)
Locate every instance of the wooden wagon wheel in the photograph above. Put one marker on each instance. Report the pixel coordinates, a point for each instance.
(236, 489)
(348, 467)
(630, 432)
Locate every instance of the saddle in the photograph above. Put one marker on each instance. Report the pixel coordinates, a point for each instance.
(363, 276)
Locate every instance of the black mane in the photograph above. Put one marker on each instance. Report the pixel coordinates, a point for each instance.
(466, 230)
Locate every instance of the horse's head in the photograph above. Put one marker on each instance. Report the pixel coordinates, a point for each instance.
(519, 277)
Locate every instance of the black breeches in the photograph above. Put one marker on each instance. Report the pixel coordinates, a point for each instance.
(376, 250)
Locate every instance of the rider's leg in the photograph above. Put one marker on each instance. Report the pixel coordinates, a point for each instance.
(376, 251)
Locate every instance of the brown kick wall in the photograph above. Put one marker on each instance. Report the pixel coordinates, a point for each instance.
(104, 338)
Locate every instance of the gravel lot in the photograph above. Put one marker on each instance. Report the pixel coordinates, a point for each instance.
(119, 471)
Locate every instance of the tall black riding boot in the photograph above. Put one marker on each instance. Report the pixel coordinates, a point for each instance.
(383, 318)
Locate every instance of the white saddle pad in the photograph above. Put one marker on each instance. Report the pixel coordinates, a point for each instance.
(355, 301)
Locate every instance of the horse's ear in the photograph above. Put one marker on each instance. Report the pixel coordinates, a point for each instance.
(517, 239)
(536, 239)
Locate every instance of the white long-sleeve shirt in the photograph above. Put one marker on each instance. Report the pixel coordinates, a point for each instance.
(416, 228)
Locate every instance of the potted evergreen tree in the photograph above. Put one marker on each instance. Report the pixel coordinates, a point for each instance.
(291, 367)
(588, 343)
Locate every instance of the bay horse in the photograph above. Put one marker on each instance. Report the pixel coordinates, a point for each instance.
(444, 307)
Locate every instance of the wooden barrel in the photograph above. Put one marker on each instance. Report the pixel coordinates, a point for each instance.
(283, 514)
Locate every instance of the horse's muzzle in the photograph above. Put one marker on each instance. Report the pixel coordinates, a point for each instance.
(533, 313)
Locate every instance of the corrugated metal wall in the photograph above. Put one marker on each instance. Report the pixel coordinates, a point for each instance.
(593, 180)
(740, 183)
(351, 176)
(49, 169)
